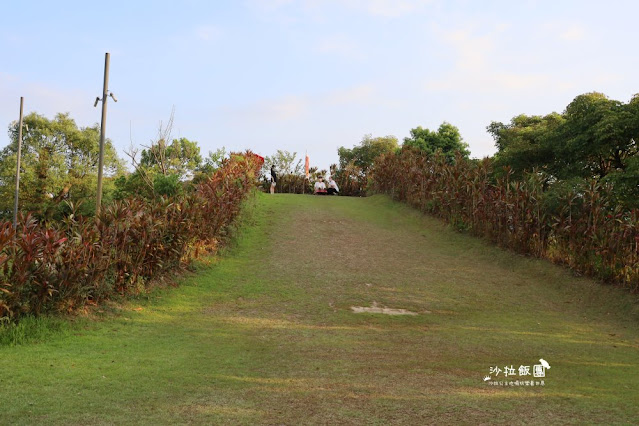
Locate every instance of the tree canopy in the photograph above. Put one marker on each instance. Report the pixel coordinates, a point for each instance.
(180, 157)
(285, 163)
(364, 154)
(446, 140)
(165, 166)
(59, 162)
(595, 137)
(592, 138)
(526, 143)
(599, 135)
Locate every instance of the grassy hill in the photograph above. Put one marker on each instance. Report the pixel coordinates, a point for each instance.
(267, 334)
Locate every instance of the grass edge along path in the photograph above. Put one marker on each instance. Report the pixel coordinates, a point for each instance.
(266, 334)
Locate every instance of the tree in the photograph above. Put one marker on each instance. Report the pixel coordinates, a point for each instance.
(626, 183)
(163, 168)
(598, 136)
(592, 138)
(525, 143)
(354, 163)
(595, 138)
(446, 140)
(59, 162)
(180, 157)
(210, 165)
(364, 154)
(284, 162)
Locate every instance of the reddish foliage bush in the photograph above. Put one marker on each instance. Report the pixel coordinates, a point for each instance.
(351, 180)
(583, 228)
(86, 260)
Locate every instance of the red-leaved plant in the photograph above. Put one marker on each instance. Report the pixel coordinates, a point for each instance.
(584, 228)
(63, 266)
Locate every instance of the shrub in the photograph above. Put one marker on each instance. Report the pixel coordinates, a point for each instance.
(578, 224)
(65, 265)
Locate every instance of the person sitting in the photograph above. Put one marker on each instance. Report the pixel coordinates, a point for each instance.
(320, 187)
(333, 189)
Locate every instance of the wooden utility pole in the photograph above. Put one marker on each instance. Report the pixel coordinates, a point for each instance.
(15, 200)
(105, 93)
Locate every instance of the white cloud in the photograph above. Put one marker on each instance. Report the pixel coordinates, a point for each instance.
(574, 32)
(6, 79)
(316, 8)
(287, 108)
(274, 10)
(478, 69)
(472, 51)
(489, 82)
(475, 67)
(207, 33)
(341, 45)
(359, 94)
(390, 8)
(295, 107)
(200, 35)
(567, 31)
(47, 100)
(282, 109)
(271, 4)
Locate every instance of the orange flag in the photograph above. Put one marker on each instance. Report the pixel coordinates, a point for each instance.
(306, 166)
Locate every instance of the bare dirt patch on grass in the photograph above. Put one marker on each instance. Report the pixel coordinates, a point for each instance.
(381, 310)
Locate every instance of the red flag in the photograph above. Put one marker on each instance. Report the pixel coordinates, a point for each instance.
(306, 166)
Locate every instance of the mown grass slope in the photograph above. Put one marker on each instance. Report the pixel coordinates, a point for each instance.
(265, 334)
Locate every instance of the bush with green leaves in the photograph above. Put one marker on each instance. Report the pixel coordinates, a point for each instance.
(64, 265)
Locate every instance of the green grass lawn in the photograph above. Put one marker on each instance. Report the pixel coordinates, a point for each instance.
(265, 334)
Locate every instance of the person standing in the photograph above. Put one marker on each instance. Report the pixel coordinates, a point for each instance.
(273, 179)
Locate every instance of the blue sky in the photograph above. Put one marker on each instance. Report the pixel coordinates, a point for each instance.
(312, 75)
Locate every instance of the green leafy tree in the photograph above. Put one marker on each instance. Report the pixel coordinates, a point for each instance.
(354, 163)
(599, 135)
(592, 138)
(284, 161)
(364, 154)
(59, 163)
(595, 138)
(210, 165)
(446, 140)
(180, 157)
(526, 142)
(164, 168)
(626, 183)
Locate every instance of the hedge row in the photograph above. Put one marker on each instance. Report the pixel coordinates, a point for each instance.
(61, 267)
(580, 226)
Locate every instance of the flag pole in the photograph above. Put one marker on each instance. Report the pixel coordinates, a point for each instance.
(306, 166)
